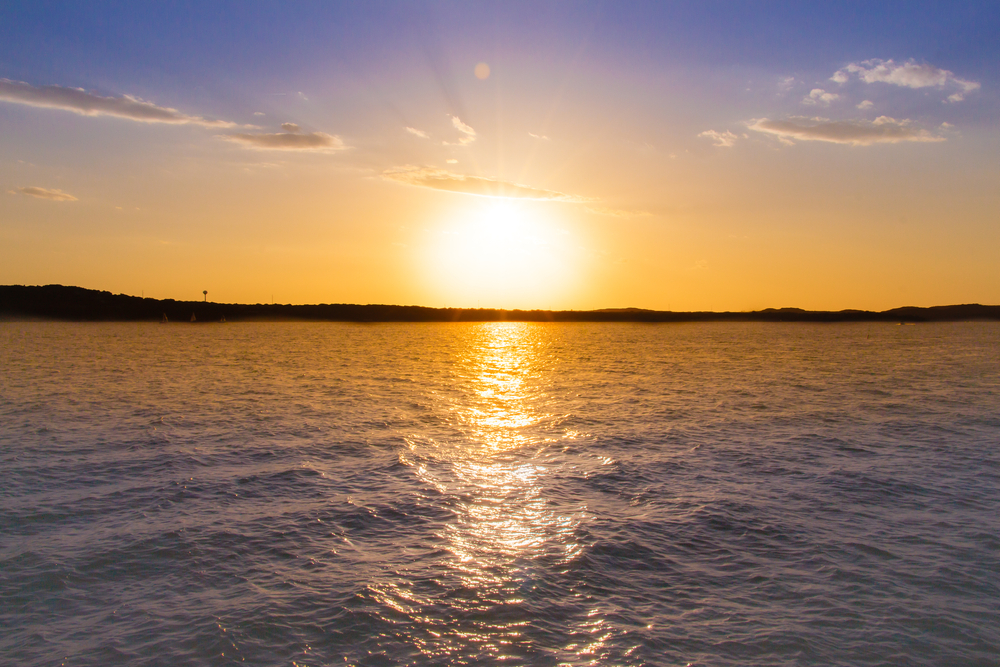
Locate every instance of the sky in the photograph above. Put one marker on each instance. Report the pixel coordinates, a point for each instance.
(569, 155)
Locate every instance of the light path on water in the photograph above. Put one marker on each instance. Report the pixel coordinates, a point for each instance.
(504, 493)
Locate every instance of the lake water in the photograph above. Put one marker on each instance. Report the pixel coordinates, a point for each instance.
(499, 494)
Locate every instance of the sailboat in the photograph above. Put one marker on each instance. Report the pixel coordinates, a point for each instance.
(193, 318)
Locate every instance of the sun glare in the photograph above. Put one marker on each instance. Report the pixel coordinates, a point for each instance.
(500, 253)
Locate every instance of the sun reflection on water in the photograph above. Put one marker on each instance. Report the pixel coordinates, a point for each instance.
(489, 467)
(501, 382)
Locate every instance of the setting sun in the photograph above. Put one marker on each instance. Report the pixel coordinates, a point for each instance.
(499, 253)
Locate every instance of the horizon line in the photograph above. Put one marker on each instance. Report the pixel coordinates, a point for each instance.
(83, 304)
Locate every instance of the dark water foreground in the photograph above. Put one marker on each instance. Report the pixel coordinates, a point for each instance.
(500, 494)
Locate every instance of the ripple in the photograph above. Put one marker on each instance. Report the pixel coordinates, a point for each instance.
(518, 494)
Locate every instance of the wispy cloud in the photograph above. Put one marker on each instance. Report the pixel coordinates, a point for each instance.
(470, 134)
(960, 95)
(720, 139)
(441, 179)
(292, 139)
(43, 193)
(538, 136)
(80, 101)
(819, 96)
(865, 104)
(462, 127)
(910, 74)
(418, 133)
(882, 130)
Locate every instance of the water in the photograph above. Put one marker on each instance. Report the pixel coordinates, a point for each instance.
(438, 494)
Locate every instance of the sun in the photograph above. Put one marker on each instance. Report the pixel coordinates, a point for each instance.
(500, 253)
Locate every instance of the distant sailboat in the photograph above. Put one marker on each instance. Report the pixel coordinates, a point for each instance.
(164, 320)
(193, 318)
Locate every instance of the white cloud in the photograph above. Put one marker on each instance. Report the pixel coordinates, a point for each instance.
(866, 104)
(910, 74)
(80, 101)
(720, 139)
(462, 127)
(470, 134)
(819, 96)
(440, 179)
(292, 139)
(785, 83)
(882, 130)
(418, 133)
(451, 161)
(259, 113)
(538, 136)
(840, 76)
(43, 193)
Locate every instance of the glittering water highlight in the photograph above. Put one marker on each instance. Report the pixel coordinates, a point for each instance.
(318, 494)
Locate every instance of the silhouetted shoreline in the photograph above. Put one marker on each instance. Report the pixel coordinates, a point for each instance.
(56, 302)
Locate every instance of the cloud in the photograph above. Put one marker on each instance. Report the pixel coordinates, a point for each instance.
(42, 193)
(819, 96)
(80, 101)
(882, 130)
(440, 179)
(470, 134)
(720, 139)
(292, 139)
(418, 133)
(462, 127)
(908, 75)
(866, 104)
(785, 83)
(538, 136)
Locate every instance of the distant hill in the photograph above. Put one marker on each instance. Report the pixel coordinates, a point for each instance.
(19, 302)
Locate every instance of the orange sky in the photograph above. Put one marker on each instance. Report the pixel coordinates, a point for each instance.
(593, 165)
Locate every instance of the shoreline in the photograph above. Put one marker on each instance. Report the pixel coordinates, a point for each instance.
(77, 304)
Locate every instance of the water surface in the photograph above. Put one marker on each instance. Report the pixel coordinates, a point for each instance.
(503, 493)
